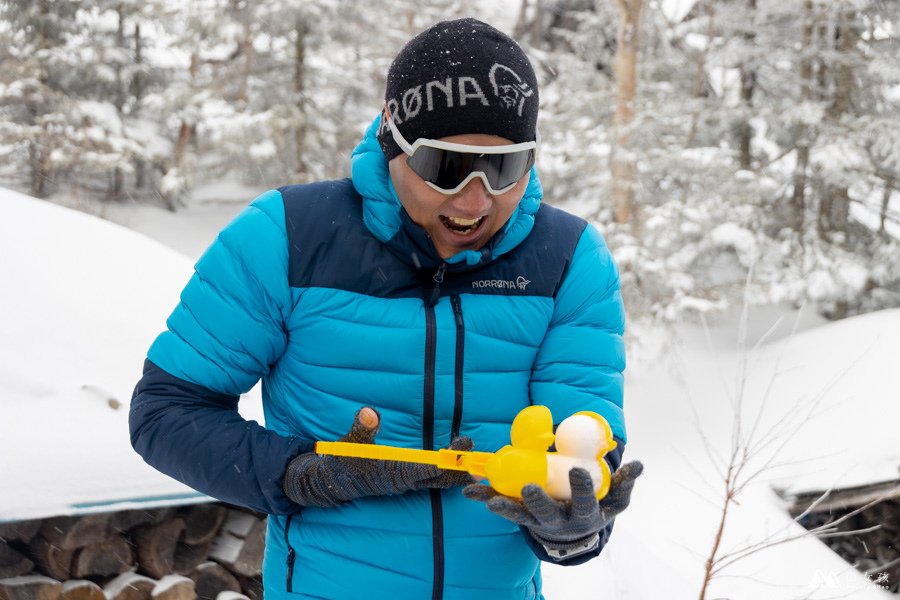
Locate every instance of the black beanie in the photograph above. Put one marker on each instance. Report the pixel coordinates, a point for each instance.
(460, 77)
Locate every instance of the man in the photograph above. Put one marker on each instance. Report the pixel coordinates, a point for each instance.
(432, 286)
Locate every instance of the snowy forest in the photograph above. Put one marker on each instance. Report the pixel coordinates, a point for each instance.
(713, 142)
(740, 157)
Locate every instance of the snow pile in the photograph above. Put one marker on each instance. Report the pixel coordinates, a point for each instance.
(848, 370)
(82, 302)
(822, 405)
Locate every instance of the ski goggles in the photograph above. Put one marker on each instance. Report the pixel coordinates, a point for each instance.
(448, 167)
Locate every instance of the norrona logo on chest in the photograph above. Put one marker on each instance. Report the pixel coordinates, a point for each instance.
(519, 283)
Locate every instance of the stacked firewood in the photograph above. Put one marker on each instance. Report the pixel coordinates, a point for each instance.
(869, 539)
(203, 551)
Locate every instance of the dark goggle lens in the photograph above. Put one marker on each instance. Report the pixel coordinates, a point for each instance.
(447, 169)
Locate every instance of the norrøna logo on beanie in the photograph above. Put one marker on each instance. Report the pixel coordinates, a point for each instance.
(510, 91)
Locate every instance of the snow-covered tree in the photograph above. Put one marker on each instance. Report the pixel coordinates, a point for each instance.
(742, 134)
(35, 72)
(761, 137)
(65, 93)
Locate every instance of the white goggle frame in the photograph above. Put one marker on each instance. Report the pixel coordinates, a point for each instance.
(453, 147)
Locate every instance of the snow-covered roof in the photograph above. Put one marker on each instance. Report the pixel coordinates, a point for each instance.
(829, 404)
(82, 301)
(848, 375)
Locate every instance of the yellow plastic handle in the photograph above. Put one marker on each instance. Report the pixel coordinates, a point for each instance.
(509, 469)
(454, 460)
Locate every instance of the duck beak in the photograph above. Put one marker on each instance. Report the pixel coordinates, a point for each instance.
(610, 446)
(546, 438)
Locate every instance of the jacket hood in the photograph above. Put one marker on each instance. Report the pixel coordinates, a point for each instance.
(388, 221)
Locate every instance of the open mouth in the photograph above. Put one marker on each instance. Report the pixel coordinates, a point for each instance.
(460, 225)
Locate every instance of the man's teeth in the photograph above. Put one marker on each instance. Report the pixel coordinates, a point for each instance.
(461, 225)
(463, 222)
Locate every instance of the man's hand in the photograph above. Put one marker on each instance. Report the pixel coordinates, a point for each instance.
(564, 528)
(313, 480)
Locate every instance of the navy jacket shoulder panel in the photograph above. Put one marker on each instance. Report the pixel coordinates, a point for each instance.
(326, 232)
(327, 235)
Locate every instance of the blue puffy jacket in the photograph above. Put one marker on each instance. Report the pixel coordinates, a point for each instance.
(331, 295)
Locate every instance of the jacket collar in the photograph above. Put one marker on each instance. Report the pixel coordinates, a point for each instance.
(387, 221)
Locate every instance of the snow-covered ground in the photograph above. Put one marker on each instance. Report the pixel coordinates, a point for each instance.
(82, 301)
(85, 298)
(825, 405)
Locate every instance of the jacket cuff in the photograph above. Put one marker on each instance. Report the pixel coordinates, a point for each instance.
(560, 551)
(574, 553)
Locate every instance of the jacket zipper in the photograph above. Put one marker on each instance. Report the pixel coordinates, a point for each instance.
(291, 555)
(436, 507)
(437, 517)
(438, 280)
(456, 303)
(430, 358)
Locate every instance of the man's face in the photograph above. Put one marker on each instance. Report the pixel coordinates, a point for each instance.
(448, 219)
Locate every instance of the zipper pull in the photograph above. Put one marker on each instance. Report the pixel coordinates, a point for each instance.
(290, 568)
(457, 310)
(438, 280)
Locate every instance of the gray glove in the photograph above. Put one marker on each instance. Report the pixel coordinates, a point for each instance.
(564, 528)
(313, 480)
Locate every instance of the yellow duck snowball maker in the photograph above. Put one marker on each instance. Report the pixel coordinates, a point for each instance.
(582, 440)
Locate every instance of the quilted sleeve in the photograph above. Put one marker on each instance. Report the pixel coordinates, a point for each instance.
(581, 359)
(580, 363)
(229, 326)
(226, 333)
